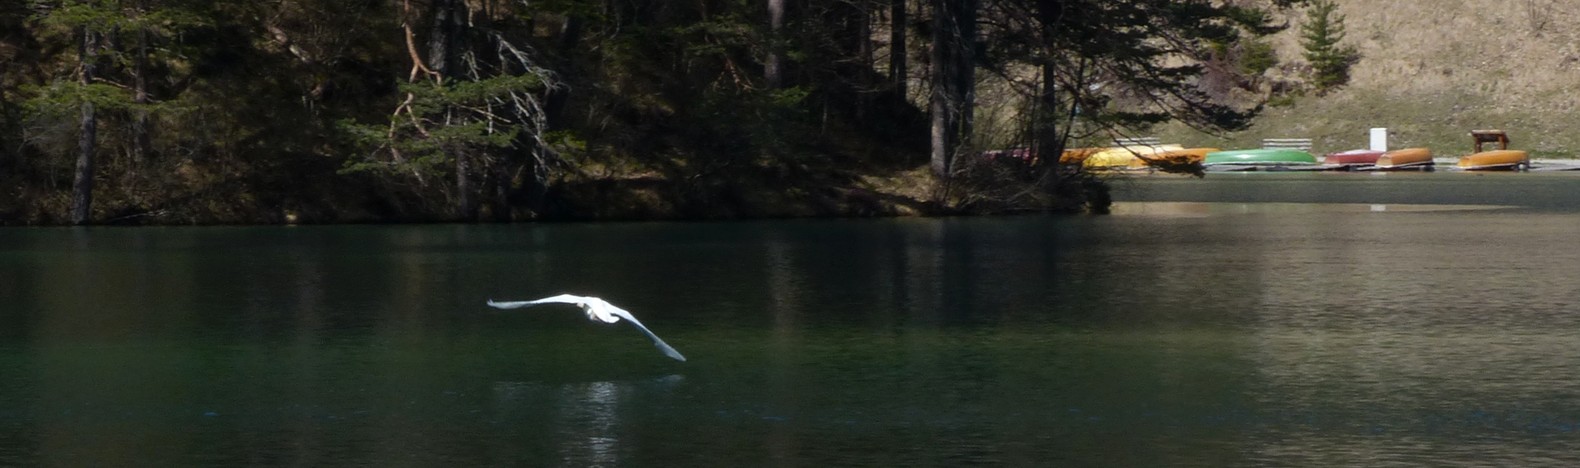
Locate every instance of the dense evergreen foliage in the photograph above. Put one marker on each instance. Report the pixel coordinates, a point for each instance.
(220, 111)
(1320, 36)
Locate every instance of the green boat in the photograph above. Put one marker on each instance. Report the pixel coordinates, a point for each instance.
(1260, 157)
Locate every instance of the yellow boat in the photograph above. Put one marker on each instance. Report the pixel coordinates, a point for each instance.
(1126, 157)
(1408, 158)
(1498, 159)
(1078, 155)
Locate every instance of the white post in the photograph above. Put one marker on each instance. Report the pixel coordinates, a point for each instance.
(1379, 139)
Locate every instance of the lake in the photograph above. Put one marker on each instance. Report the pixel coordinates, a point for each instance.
(1233, 320)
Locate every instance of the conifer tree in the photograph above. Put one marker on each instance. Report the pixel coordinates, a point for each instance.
(472, 110)
(1320, 36)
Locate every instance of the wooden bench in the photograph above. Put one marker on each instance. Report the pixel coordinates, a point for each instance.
(1302, 144)
(1138, 141)
(1490, 136)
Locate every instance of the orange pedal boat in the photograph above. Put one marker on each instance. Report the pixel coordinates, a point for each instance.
(1502, 158)
(1405, 159)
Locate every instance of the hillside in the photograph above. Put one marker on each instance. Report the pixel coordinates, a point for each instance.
(1430, 71)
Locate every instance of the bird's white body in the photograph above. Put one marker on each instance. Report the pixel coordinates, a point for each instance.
(597, 310)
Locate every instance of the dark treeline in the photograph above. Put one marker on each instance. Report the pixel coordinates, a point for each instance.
(221, 111)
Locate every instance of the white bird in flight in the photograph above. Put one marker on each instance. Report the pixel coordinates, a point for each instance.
(597, 310)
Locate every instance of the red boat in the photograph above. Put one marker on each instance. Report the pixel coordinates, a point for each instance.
(1358, 157)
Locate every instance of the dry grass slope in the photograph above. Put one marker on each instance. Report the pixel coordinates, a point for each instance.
(1432, 70)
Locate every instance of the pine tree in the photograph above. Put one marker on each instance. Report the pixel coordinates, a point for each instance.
(472, 111)
(1320, 36)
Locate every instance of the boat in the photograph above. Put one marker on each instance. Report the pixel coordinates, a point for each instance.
(1020, 154)
(1502, 158)
(1079, 155)
(1514, 160)
(1405, 159)
(1167, 158)
(1352, 158)
(1260, 157)
(1126, 157)
(1177, 157)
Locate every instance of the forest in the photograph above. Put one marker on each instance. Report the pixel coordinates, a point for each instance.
(355, 111)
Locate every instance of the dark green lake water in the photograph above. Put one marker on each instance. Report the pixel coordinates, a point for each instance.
(1236, 320)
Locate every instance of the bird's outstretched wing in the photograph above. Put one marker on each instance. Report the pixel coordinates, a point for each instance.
(597, 305)
(561, 299)
(662, 346)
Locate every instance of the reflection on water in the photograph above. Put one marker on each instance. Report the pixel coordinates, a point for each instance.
(588, 415)
(1221, 208)
(1204, 324)
(1498, 399)
(597, 400)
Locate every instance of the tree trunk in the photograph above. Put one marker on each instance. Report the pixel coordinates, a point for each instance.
(864, 52)
(939, 103)
(1046, 143)
(447, 23)
(499, 188)
(773, 69)
(536, 185)
(1054, 116)
(554, 102)
(466, 204)
(954, 78)
(6, 159)
(897, 51)
(443, 60)
(87, 139)
(966, 72)
(141, 141)
(864, 38)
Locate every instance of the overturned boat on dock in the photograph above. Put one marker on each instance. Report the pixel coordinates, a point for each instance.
(1408, 159)
(1262, 158)
(1147, 157)
(1352, 159)
(1502, 158)
(1507, 160)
